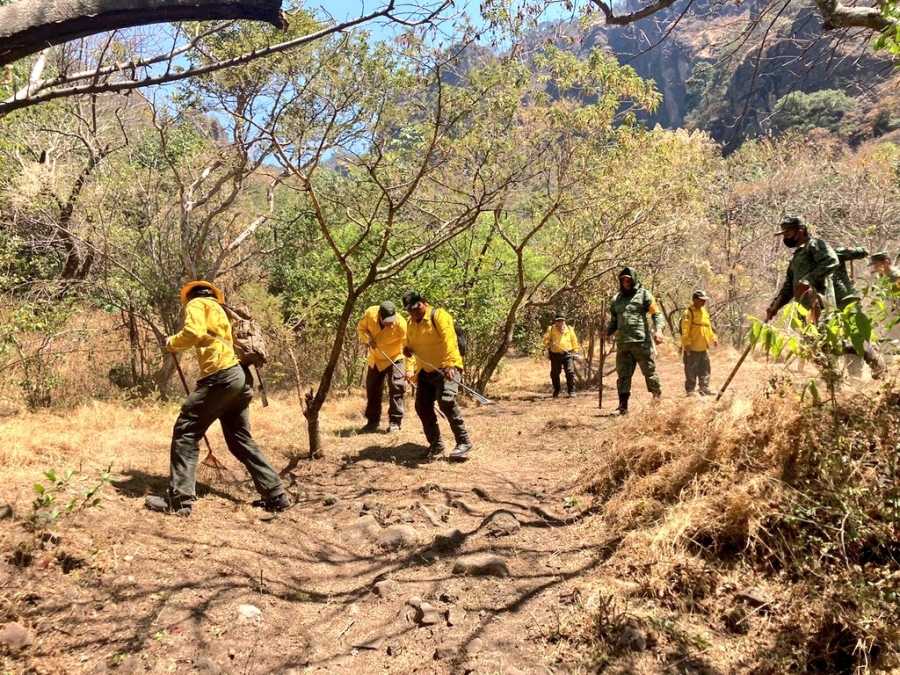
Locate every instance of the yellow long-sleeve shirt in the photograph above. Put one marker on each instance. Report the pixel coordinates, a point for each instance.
(560, 342)
(389, 339)
(203, 319)
(696, 329)
(435, 344)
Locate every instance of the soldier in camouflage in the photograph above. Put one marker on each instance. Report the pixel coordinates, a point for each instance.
(634, 340)
(809, 273)
(845, 293)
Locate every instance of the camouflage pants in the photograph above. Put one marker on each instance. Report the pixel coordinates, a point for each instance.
(629, 355)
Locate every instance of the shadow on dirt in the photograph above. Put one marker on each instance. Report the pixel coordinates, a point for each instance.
(139, 484)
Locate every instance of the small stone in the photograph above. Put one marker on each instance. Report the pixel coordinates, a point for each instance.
(502, 523)
(398, 536)
(482, 565)
(249, 614)
(385, 588)
(6, 511)
(632, 638)
(128, 558)
(455, 616)
(368, 506)
(374, 643)
(426, 615)
(754, 597)
(15, 637)
(447, 597)
(473, 646)
(353, 609)
(330, 500)
(448, 540)
(443, 652)
(414, 601)
(367, 527)
(430, 556)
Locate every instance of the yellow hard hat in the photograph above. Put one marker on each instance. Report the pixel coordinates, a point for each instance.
(194, 284)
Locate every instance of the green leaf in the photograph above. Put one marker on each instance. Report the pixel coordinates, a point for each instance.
(39, 488)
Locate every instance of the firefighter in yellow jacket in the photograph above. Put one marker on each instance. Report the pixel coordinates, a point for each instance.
(223, 393)
(697, 337)
(562, 348)
(384, 331)
(431, 339)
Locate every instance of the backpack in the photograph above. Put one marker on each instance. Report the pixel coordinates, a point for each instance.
(249, 343)
(461, 342)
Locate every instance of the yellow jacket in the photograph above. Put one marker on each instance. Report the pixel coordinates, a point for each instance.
(561, 342)
(435, 344)
(696, 329)
(203, 318)
(389, 339)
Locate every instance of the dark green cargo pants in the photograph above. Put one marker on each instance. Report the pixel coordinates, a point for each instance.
(629, 355)
(435, 387)
(223, 396)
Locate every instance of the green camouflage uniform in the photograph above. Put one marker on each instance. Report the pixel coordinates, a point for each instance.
(634, 342)
(813, 264)
(844, 290)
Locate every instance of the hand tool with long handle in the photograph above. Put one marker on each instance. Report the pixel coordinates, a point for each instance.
(481, 398)
(396, 364)
(750, 346)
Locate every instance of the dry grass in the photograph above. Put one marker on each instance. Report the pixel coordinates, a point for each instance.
(656, 522)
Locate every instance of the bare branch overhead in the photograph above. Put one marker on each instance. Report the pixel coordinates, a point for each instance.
(28, 26)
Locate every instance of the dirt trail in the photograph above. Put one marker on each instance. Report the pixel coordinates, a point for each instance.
(150, 593)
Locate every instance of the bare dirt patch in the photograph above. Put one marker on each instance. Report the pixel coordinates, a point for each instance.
(581, 509)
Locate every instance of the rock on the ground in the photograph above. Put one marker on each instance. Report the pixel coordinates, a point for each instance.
(455, 616)
(448, 539)
(502, 523)
(6, 511)
(430, 556)
(385, 588)
(754, 597)
(473, 646)
(367, 527)
(249, 614)
(414, 601)
(427, 615)
(482, 565)
(330, 500)
(14, 636)
(398, 536)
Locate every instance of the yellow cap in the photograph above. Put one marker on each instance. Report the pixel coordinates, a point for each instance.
(194, 284)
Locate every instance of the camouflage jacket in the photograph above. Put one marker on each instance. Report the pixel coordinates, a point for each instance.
(628, 312)
(844, 290)
(813, 264)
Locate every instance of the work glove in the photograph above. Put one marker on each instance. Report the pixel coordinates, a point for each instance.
(450, 374)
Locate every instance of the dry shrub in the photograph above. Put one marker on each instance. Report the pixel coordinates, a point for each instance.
(805, 498)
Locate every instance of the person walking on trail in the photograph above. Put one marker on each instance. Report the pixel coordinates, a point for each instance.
(562, 348)
(697, 336)
(809, 274)
(882, 266)
(431, 340)
(634, 340)
(384, 331)
(223, 393)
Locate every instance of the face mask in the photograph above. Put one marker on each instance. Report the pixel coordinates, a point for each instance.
(790, 242)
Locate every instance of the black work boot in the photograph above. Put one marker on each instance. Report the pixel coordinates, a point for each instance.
(623, 403)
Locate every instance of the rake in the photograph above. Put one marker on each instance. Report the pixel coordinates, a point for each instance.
(479, 397)
(217, 469)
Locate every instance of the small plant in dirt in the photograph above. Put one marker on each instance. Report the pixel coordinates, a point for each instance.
(62, 495)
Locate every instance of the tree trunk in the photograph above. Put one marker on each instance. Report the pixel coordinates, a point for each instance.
(311, 414)
(494, 359)
(28, 26)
